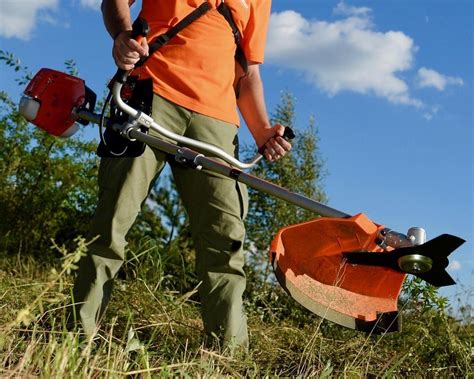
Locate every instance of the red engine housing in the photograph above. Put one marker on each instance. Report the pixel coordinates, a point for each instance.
(56, 94)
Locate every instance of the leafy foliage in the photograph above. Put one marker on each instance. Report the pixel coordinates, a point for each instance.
(11, 61)
(47, 185)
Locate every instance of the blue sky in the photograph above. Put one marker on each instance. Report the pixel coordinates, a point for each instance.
(388, 82)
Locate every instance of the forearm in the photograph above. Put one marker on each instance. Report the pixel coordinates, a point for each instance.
(252, 107)
(116, 14)
(251, 104)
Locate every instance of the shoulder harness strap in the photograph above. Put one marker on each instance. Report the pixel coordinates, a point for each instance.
(239, 53)
(164, 38)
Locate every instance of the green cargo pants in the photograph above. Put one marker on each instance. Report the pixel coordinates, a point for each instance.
(216, 207)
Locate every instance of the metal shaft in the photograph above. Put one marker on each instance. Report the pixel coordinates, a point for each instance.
(388, 237)
(271, 189)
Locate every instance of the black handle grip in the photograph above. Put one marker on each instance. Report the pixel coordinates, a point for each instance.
(140, 28)
(288, 135)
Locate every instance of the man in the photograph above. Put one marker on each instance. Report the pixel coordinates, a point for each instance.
(193, 78)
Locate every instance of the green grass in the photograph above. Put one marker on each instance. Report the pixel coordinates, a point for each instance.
(151, 330)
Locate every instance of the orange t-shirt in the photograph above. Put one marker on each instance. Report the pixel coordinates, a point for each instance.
(196, 68)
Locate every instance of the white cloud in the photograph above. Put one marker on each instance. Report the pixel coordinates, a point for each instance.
(93, 4)
(431, 78)
(430, 112)
(344, 55)
(346, 10)
(18, 18)
(454, 265)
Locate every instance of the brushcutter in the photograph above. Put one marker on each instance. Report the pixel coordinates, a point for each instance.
(344, 268)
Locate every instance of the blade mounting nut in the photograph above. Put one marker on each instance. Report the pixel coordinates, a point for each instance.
(415, 263)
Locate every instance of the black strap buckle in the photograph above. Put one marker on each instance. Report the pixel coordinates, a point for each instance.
(161, 40)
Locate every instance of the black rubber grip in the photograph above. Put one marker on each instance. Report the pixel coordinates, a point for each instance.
(140, 28)
(289, 134)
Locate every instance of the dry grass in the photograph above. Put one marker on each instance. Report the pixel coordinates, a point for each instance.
(151, 331)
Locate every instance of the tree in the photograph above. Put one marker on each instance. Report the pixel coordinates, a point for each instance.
(301, 171)
(47, 184)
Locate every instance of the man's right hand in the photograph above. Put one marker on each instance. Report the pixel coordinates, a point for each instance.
(126, 51)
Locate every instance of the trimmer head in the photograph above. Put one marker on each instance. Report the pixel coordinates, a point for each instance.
(360, 289)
